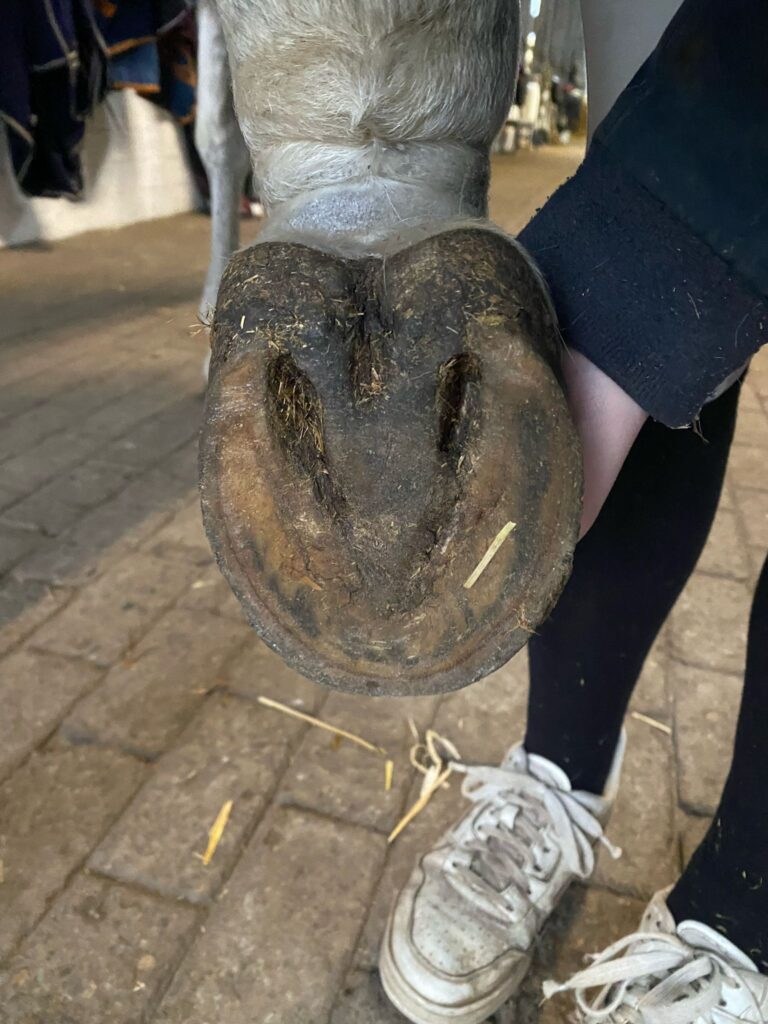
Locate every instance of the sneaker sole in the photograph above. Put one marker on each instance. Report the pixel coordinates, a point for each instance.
(418, 1010)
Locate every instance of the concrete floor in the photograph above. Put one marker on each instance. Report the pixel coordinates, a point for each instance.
(128, 682)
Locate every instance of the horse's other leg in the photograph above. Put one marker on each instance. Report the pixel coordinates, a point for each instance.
(222, 150)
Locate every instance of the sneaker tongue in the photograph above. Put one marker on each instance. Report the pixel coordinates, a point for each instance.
(701, 936)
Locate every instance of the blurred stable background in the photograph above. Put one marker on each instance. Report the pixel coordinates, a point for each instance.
(128, 678)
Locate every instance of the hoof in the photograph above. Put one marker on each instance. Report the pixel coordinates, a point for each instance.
(370, 429)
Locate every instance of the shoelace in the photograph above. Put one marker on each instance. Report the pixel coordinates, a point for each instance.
(668, 982)
(509, 831)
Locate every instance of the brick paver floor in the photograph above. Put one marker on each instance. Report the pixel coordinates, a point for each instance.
(128, 686)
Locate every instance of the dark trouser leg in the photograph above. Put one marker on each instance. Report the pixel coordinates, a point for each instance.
(628, 572)
(726, 883)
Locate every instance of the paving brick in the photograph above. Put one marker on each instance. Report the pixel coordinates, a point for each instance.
(25, 606)
(230, 752)
(7, 497)
(257, 671)
(707, 706)
(36, 691)
(107, 532)
(29, 428)
(725, 552)
(347, 781)
(753, 508)
(123, 415)
(758, 373)
(692, 830)
(758, 556)
(749, 398)
(210, 592)
(102, 953)
(15, 402)
(159, 435)
(277, 945)
(169, 672)
(100, 538)
(42, 512)
(14, 544)
(751, 427)
(726, 496)
(183, 463)
(25, 393)
(58, 504)
(748, 465)
(484, 720)
(52, 811)
(111, 614)
(651, 696)
(152, 490)
(77, 354)
(26, 471)
(183, 538)
(643, 820)
(708, 626)
(97, 387)
(63, 409)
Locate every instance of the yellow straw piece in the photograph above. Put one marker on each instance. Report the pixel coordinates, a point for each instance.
(217, 831)
(277, 706)
(428, 758)
(654, 724)
(432, 738)
(420, 804)
(485, 561)
(389, 771)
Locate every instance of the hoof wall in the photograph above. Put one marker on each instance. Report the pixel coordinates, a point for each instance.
(371, 428)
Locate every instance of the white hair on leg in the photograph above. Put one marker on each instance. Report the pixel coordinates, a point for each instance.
(368, 117)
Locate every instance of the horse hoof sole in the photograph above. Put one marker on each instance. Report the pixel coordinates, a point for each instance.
(371, 428)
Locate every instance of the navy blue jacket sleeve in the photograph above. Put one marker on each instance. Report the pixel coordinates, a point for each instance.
(656, 251)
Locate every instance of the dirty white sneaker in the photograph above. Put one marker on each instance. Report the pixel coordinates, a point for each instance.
(669, 974)
(459, 939)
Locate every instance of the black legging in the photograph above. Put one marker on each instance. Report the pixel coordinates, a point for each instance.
(586, 659)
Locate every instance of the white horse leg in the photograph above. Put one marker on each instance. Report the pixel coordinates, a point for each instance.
(221, 147)
(367, 117)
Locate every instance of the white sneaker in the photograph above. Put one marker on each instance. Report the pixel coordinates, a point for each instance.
(669, 974)
(459, 939)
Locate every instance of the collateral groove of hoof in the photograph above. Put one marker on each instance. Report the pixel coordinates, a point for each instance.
(369, 429)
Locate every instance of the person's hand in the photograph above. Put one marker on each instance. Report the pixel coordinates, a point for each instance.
(607, 420)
